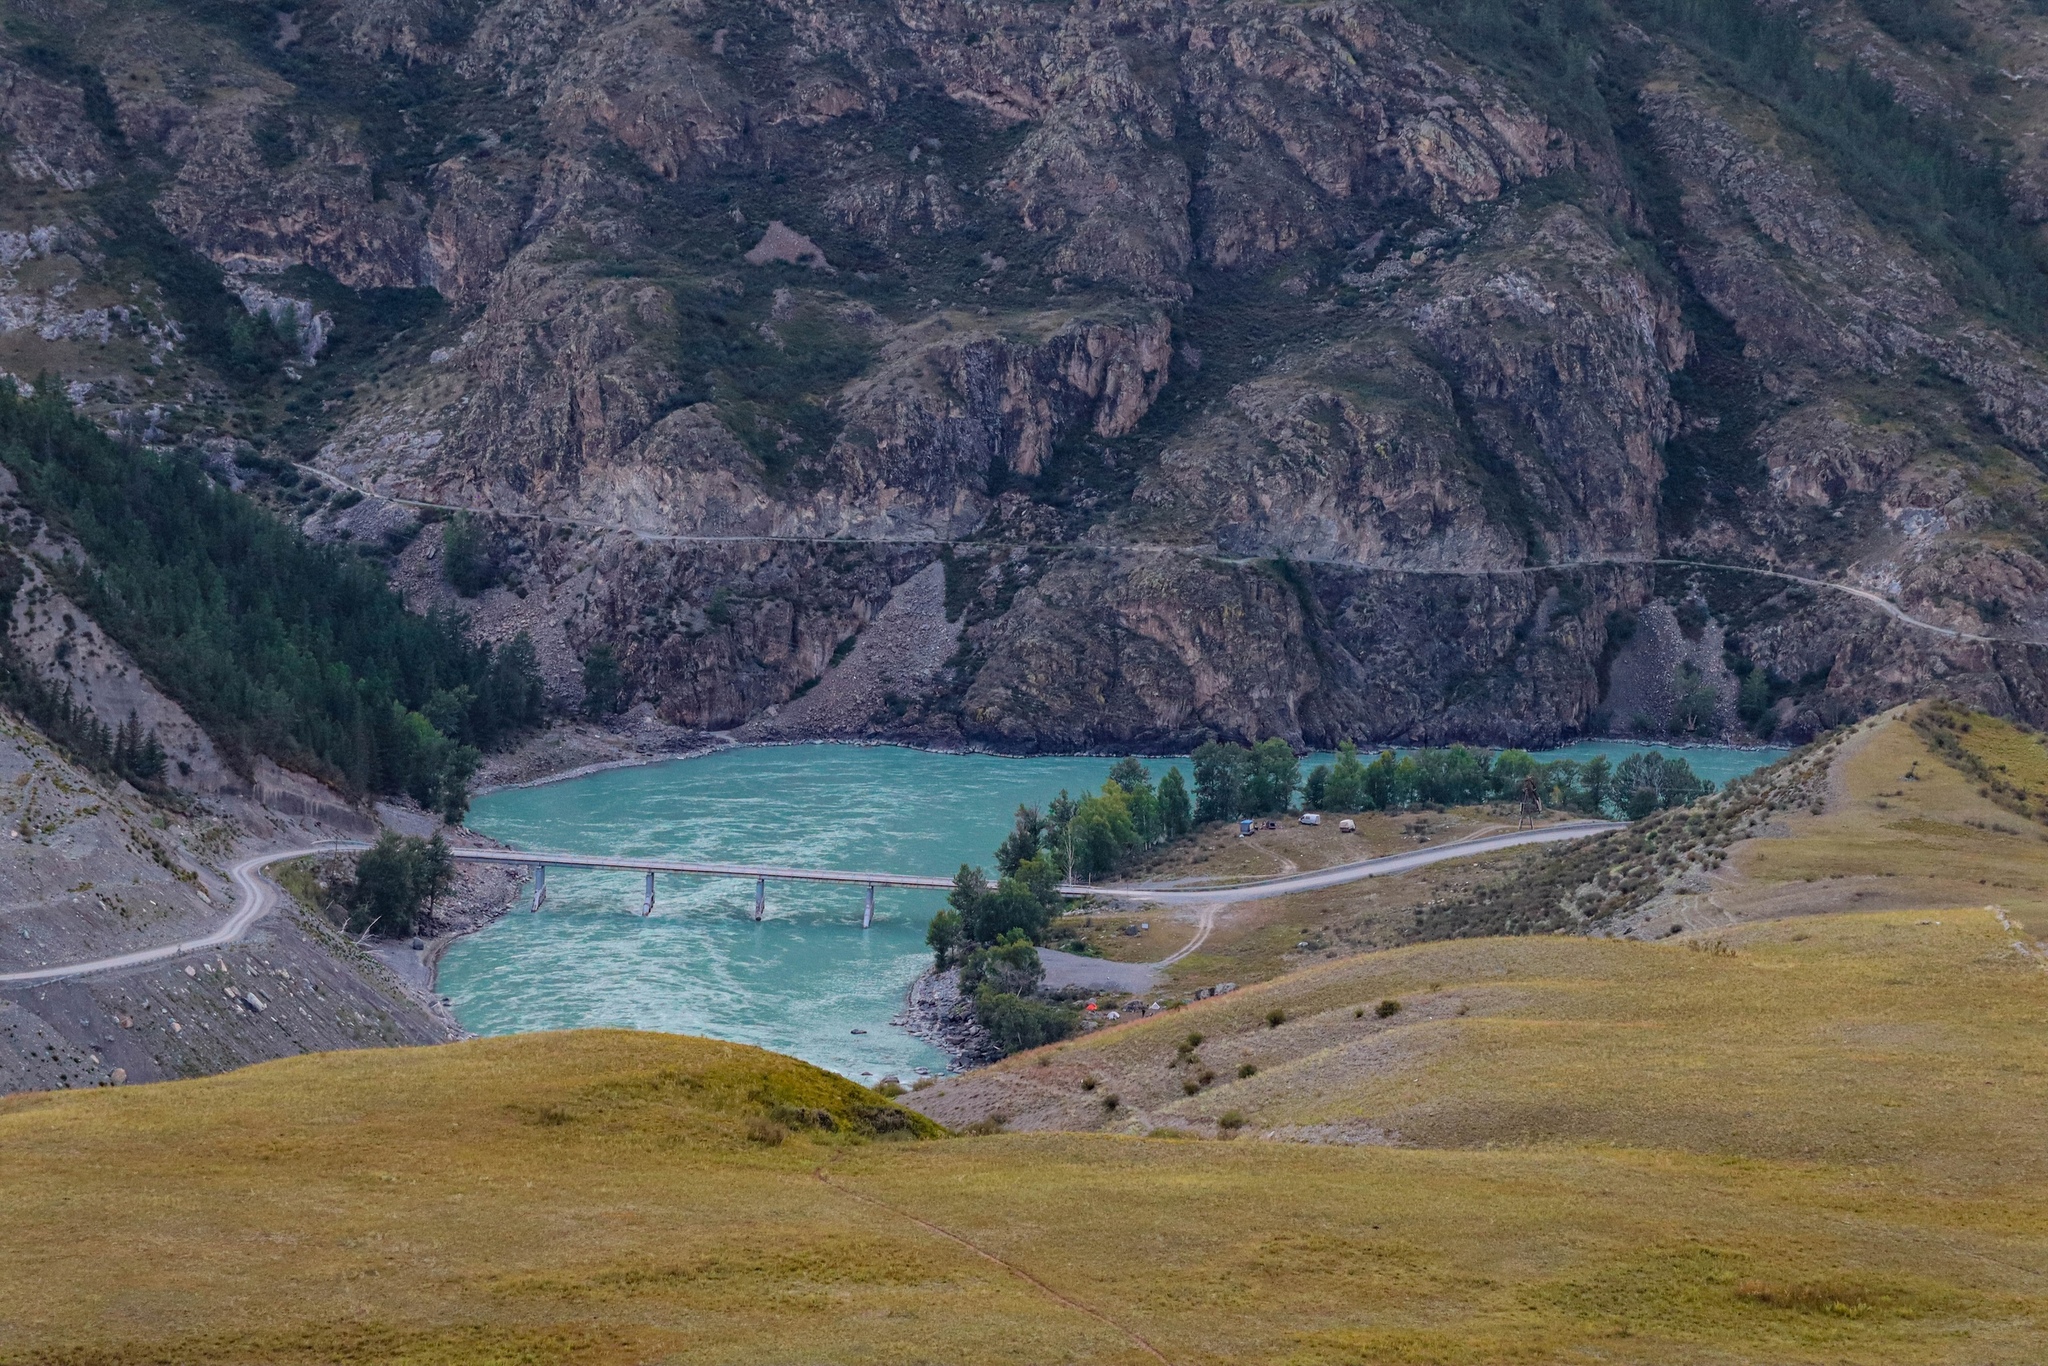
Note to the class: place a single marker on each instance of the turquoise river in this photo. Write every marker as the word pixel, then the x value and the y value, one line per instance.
pixel 807 977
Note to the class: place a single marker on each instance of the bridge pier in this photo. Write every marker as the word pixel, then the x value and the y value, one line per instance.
pixel 540 885
pixel 760 897
pixel 867 918
pixel 648 909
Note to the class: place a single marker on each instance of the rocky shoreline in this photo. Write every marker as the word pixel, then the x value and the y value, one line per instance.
pixel 935 1011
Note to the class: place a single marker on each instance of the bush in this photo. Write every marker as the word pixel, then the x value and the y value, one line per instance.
pixel 1111 1101
pixel 1230 1120
pixel 1387 1008
pixel 604 683
pixel 943 937
pixel 1247 1070
pixel 766 1132
pixel 1011 965
pixel 469 556
pixel 1275 1018
pixel 1015 1024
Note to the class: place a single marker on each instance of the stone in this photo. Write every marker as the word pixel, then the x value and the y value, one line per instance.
pixel 783 243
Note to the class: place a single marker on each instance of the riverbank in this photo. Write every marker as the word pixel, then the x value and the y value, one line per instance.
pixel 577 749
pixel 935 1011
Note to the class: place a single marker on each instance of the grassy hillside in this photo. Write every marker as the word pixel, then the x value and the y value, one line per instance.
pixel 1810 1135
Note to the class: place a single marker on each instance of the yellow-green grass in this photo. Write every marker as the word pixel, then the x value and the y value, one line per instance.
pixel 1818 1149
pixel 1887 839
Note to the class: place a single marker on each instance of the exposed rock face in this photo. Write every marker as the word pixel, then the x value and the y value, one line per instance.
pixel 50 139
pixel 1262 368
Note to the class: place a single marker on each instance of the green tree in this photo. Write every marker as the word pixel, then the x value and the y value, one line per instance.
pixel 943 937
pixel 1102 832
pixel 1694 709
pixel 1315 790
pixel 1175 816
pixel 604 682
pixel 1347 786
pixel 1595 780
pixel 970 889
pixel 1130 775
pixel 1059 820
pixel 1450 777
pixel 1509 767
pixel 1754 701
pixel 1012 908
pixel 1385 785
pixel 1272 774
pixel 1220 770
pixel 395 883
pixel 1011 964
pixel 1023 840
pixel 470 559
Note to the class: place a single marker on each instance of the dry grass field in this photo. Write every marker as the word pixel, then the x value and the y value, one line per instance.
pixel 1810 1134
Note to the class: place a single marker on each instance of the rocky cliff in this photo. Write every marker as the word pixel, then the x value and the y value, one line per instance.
pixel 1250 368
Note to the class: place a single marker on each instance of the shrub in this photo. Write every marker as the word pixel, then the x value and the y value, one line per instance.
pixel 1247 1070
pixel 1190 1087
pixel 1206 1077
pixel 1110 1102
pixel 1089 1083
pixel 1015 1024
pixel 470 558
pixel 1386 1008
pixel 1231 1120
pixel 1194 1041
pixel 766 1132
pixel 604 683
pixel 1275 1018
pixel 888 1088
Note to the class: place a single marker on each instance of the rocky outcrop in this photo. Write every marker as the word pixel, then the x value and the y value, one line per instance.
pixel 49 137
pixel 1259 367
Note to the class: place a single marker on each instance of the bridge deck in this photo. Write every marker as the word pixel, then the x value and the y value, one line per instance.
pixel 662 865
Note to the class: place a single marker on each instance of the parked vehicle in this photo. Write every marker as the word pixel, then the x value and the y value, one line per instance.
pixel 1311 818
pixel 1245 827
pixel 1347 826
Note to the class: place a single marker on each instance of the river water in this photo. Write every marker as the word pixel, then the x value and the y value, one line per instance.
pixel 807 977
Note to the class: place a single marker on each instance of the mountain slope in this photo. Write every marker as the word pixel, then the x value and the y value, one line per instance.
pixel 1264 369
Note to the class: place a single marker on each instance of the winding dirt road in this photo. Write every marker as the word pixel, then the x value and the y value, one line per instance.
pixel 257 895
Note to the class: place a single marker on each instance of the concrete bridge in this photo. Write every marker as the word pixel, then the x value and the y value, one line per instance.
pixel 763 874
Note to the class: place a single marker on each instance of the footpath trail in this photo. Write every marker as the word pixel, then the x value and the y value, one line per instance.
pixel 1866 595
pixel 258 895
